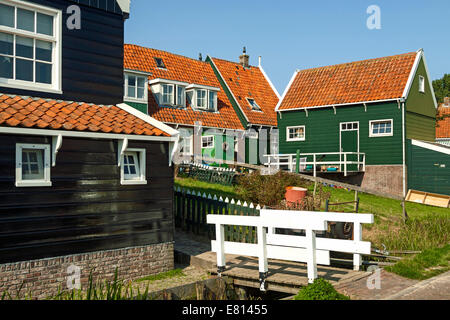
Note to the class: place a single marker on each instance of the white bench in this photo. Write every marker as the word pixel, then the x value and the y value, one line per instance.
pixel 306 248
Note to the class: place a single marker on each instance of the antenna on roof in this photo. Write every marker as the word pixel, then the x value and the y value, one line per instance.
pixel 200 56
pixel 244 51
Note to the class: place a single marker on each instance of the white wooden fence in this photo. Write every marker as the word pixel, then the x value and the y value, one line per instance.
pixel 306 248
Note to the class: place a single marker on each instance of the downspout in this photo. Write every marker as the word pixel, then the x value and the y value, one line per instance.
pixel 404 148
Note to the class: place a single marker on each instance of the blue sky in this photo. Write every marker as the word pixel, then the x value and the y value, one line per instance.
pixel 292 35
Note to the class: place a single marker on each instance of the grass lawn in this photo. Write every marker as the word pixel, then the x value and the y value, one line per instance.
pixel 428 227
pixel 164 275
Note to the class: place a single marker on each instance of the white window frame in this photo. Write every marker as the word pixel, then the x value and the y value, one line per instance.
pixel 56 40
pixel 20 182
pixel 374 135
pixel 212 142
pixel 136 99
pixel 295 139
pixel 252 106
pixel 421 84
pixel 172 96
pixel 214 106
pixel 181 103
pixel 349 129
pixel 205 107
pixel 140 178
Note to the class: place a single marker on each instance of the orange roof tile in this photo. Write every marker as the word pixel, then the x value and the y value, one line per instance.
pixel 180 68
pixel 26 112
pixel 250 83
pixel 443 125
pixel 368 80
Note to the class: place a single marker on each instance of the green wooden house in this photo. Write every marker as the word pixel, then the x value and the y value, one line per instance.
pixel 352 122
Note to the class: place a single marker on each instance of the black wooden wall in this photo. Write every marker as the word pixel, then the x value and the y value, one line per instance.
pixel 86 209
pixel 92 57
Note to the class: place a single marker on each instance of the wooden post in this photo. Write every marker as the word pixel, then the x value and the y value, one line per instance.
pixel 345 164
pixel 315 188
pixel 262 254
pixel 311 255
pixel 357 236
pixel 356 201
pixel 220 238
pixel 314 165
pixel 297 161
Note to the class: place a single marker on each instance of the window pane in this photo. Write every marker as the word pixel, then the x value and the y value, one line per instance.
pixel 125 170
pixel 132 169
pixel 130 160
pixel 24 70
pixel 43 72
pixel 6 43
pixel 44 50
pixel 6 16
pixel 25 20
pixel 140 93
pixel 24 47
pixel 45 24
pixel 132 81
pixel 6 67
pixel 141 82
pixel 32 164
pixel 131 92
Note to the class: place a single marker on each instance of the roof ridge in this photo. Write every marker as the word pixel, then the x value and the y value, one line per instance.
pixel 168 52
pixel 232 62
pixel 357 61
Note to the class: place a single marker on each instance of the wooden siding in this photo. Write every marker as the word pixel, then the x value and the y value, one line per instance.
pixel 428 170
pixel 142 107
pixel 86 209
pixel 92 57
pixel 420 110
pixel 322 131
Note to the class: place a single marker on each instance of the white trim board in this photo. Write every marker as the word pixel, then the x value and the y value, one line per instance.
pixel 286 91
pixel 270 82
pixel 82 134
pixel 430 146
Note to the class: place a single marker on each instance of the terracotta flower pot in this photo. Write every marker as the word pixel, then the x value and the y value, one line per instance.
pixel 295 195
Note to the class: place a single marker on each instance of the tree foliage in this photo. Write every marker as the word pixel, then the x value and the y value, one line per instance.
pixel 442 88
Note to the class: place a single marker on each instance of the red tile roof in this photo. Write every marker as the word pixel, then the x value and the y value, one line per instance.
pixel 250 83
pixel 38 113
pixel 362 81
pixel 443 126
pixel 180 68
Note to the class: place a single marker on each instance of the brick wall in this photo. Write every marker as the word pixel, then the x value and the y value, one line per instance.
pixel 385 179
pixel 42 278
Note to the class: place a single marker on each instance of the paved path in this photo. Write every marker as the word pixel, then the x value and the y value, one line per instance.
pixel 437 288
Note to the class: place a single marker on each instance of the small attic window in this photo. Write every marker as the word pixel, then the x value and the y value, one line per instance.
pixel 160 63
pixel 253 104
pixel 422 84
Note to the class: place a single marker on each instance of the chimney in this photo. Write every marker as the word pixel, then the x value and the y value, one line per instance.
pixel 200 56
pixel 447 102
pixel 244 59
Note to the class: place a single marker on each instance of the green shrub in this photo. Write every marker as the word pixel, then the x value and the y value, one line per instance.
pixel 320 290
pixel 268 190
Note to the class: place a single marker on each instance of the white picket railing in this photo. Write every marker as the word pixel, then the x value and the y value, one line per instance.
pixel 285 247
pixel 290 161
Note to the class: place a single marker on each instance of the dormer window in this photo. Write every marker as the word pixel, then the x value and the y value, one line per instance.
pixel 170 93
pixel 136 87
pixel 30 47
pixel 202 97
pixel 160 63
pixel 253 104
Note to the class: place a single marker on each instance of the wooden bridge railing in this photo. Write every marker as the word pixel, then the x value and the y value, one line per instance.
pixel 286 247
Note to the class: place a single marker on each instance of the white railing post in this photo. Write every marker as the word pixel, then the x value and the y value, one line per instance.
pixel 314 165
pixel 311 255
pixel 220 238
pixel 262 254
pixel 364 162
pixel 345 164
pixel 357 237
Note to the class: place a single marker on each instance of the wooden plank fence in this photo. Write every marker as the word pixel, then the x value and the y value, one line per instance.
pixel 191 208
